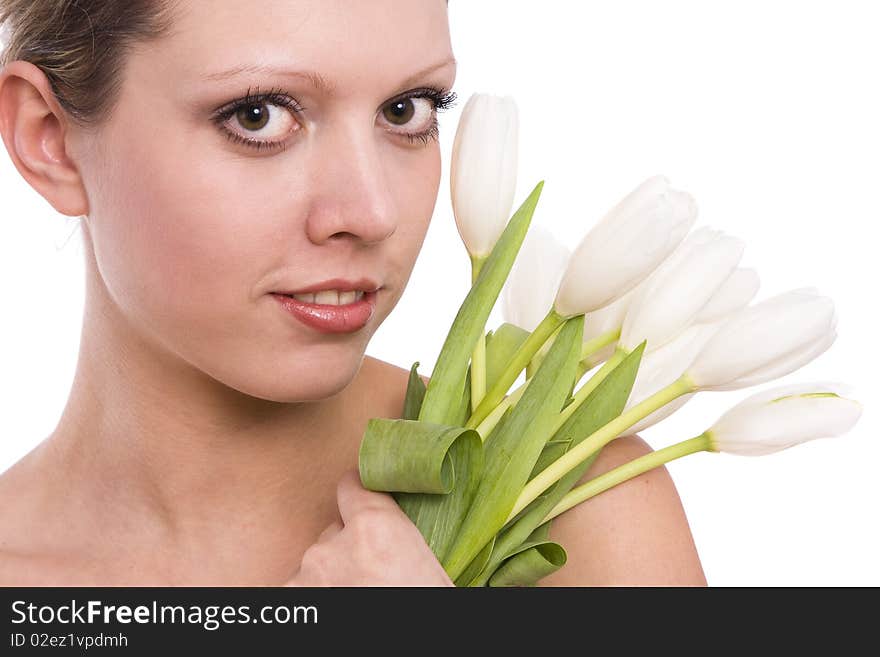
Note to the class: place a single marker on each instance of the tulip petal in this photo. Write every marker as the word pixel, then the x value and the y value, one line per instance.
pixel 627 245
pixel 528 293
pixel 754 428
pixel 734 294
pixel 483 170
pixel 753 341
pixel 680 287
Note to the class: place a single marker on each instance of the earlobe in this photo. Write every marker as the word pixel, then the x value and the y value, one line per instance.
pixel 33 126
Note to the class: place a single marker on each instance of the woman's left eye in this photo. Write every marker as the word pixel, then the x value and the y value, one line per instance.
pixel 412 111
pixel 402 110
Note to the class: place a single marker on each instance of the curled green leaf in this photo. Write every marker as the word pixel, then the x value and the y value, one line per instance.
pixel 411 456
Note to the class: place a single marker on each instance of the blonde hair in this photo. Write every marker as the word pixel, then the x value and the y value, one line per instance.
pixel 81 46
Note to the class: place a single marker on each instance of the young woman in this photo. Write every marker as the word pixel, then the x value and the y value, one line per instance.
pixel 219 156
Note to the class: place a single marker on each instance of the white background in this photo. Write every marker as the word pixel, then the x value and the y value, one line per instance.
pixel 767 112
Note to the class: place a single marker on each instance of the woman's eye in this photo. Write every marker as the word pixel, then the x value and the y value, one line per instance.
pixel 256 122
pixel 416 112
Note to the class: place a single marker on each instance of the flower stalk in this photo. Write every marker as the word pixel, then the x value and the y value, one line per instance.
pixel 520 359
pixel 556 470
pixel 629 471
pixel 478 358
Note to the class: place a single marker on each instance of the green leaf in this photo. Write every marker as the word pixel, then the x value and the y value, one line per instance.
pixel 536 558
pixel 439 517
pixel 601 406
pixel 511 453
pixel 461 415
pixel 412 456
pixel 415 393
pixel 552 451
pixel 445 386
pixel 501 345
pixel 476 566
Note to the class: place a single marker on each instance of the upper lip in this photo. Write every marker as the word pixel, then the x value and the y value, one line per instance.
pixel 365 284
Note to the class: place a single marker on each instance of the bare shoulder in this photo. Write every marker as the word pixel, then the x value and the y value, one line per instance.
pixel 635 534
pixel 21 562
pixel 390 382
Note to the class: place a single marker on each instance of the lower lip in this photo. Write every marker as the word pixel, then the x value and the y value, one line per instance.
pixel 331 319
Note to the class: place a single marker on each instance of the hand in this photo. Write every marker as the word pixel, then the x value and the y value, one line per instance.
pixel 376 544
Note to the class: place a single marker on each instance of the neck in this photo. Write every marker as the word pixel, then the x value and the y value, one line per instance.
pixel 158 453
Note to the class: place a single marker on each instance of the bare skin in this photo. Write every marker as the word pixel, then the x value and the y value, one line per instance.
pixel 209 439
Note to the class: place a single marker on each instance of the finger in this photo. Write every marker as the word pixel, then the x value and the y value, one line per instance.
pixel 352 497
pixel 330 531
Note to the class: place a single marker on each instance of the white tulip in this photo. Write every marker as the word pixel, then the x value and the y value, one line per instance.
pixel 608 318
pixel 661 367
pixel 672 296
pixel 534 278
pixel 627 244
pixel 734 294
pixel 781 417
pixel 766 341
pixel 483 170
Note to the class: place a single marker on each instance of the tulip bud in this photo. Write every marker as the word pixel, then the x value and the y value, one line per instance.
pixel 734 294
pixel 662 366
pixel 765 341
pixel 778 418
pixel 630 241
pixel 483 170
pixel 528 292
pixel 672 296
pixel 608 318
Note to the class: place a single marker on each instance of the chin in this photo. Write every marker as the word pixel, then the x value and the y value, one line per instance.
pixel 303 381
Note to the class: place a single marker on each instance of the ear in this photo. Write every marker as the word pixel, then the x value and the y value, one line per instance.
pixel 34 128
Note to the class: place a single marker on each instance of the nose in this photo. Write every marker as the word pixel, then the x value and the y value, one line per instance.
pixel 353 196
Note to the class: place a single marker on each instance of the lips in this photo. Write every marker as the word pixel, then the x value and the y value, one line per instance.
pixel 363 284
pixel 331 319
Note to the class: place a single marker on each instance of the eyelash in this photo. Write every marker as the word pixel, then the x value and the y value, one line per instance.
pixel 442 99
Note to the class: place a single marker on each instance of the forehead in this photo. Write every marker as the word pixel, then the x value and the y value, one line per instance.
pixel 338 39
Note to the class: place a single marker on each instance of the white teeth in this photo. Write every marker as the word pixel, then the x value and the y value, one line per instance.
pixel 331 297
pixel 327 297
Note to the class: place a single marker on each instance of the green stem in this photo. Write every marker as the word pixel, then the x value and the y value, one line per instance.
pixel 580 452
pixel 520 359
pixel 478 358
pixel 532 367
pixel 591 346
pixel 628 471
pixel 584 391
pixel 588 348
pixel 582 368
pixel 485 427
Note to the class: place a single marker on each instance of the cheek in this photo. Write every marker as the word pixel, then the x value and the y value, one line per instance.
pixel 177 246
pixel 417 200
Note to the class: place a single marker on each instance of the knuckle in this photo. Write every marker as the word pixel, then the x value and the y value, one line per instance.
pixel 317 560
pixel 372 524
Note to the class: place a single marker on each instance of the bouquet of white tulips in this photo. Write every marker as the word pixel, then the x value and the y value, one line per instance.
pixel 656 311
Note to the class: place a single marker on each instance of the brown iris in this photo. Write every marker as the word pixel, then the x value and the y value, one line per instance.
pixel 399 112
pixel 254 116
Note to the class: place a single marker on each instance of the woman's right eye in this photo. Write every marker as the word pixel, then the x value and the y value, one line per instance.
pixel 260 121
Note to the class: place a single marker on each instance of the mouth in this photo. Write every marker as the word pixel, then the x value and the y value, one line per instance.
pixel 329 297
pixel 330 311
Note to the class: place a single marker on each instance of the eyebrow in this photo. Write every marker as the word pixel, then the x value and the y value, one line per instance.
pixel 318 81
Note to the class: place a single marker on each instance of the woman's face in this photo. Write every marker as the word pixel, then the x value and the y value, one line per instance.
pixel 192 232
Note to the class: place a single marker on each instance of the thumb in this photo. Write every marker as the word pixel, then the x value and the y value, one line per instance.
pixel 352 498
